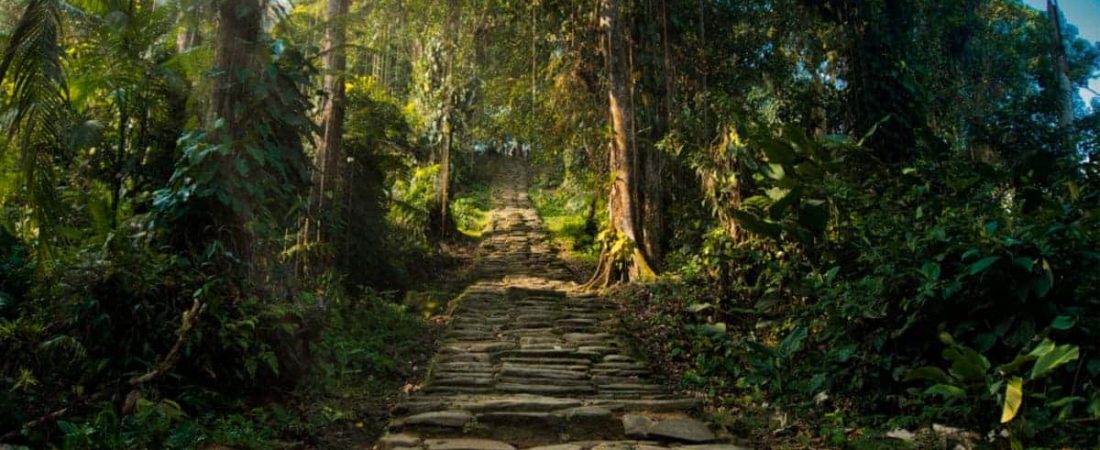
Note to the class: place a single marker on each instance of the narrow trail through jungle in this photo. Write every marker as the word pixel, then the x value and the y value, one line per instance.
pixel 529 361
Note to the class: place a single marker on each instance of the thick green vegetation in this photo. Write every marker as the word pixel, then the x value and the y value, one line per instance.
pixel 219 218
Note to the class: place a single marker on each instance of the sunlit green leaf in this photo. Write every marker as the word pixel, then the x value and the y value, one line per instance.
pixel 1053 359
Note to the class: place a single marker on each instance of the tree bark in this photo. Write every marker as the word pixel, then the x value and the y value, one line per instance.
pixel 445 177
pixel 1061 67
pixel 327 158
pixel 237 49
pixel 450 110
pixel 622 258
pixel 187 39
pixel 654 163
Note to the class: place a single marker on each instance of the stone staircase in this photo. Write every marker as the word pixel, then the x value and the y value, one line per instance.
pixel 529 362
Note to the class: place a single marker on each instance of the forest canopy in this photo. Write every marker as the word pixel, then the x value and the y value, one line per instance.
pixel 218 218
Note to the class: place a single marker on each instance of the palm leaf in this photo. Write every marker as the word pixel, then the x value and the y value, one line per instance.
pixel 38 107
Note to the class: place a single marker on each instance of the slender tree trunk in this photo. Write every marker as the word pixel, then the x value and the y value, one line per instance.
pixel 1061 67
pixel 534 64
pixel 187 39
pixel 444 178
pixel 631 262
pixel 327 158
pixel 703 68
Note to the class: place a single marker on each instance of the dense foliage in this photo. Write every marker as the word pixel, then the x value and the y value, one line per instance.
pixel 860 215
pixel 864 231
pixel 161 269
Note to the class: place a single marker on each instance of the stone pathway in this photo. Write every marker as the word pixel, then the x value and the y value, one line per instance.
pixel 527 361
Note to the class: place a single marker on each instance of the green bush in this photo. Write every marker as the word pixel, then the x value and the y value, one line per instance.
pixel 854 273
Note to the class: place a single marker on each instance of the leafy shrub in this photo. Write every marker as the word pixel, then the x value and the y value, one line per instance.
pixel 471 210
pixel 851 271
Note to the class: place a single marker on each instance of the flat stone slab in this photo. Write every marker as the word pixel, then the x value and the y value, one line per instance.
pixel 399 440
pixel 585 412
pixel 684 430
pixel 636 425
pixel 467 444
pixel 533 372
pixel 533 403
pixel 558 447
pixel 544 388
pixel 448 419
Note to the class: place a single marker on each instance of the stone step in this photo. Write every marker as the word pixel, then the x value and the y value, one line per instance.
pixel 524 429
pixel 527 362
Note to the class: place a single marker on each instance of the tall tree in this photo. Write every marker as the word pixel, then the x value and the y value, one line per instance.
pixel 622 258
pixel 327 158
pixel 1061 66
pixel 453 21
pixel 237 50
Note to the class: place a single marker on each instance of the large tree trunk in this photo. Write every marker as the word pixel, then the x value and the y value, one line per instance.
pixel 237 49
pixel 622 258
pixel 654 163
pixel 327 158
pixel 1061 67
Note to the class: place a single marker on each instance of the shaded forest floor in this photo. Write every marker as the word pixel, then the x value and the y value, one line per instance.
pixel 356 413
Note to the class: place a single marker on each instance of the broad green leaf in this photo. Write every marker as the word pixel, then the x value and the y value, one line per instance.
pixel 1061 354
pixel 931 270
pixel 778 152
pixel 713 329
pixel 777 193
pixel 1063 323
pixel 67 427
pixel 756 225
pixel 1042 349
pixel 929 373
pixel 699 307
pixel 757 203
pixel 982 264
pixel 966 363
pixel 945 391
pixel 1016 364
pixel 1043 285
pixel 775 171
pixel 793 342
pixel 1065 401
pixel 783 199
pixel 1014 397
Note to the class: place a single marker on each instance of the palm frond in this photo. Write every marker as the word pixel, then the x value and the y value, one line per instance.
pixel 38 108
